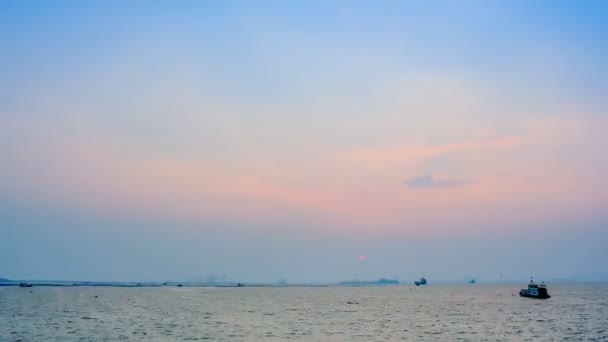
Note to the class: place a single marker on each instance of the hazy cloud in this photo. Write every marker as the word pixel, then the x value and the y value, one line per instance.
pixel 435 182
pixel 379 155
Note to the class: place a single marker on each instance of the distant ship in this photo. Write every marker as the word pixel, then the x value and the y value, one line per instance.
pixel 381 281
pixel 535 291
pixel 472 281
pixel 422 281
pixel 25 285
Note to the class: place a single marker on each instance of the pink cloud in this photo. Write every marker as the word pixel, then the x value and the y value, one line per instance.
pixel 102 178
pixel 388 155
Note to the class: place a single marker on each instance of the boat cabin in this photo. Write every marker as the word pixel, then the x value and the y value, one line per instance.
pixel 535 291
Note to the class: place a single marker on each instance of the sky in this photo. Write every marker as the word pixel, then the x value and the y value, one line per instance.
pixel 258 141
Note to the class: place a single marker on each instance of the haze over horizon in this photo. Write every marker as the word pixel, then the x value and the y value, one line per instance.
pixel 175 140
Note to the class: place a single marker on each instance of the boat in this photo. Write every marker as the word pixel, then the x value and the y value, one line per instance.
pixel 25 285
pixel 534 290
pixel 422 281
pixel 472 281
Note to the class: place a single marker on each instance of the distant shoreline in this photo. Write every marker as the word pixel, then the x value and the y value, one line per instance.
pixel 149 285
pixel 239 285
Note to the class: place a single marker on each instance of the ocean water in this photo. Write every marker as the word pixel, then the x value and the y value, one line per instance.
pixel 435 312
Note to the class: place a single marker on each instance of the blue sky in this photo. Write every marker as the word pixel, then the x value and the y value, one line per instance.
pixel 269 140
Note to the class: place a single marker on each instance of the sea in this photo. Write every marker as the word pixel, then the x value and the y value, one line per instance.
pixel 336 313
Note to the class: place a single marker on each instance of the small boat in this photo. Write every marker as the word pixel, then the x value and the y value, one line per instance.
pixel 25 285
pixel 422 281
pixel 472 281
pixel 534 290
pixel 240 285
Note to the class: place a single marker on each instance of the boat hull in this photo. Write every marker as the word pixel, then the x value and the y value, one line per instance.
pixel 523 293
